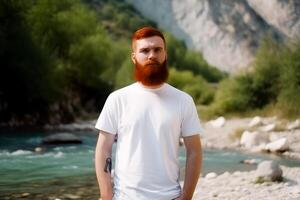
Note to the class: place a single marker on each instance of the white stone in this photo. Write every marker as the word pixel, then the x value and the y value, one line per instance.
pixel 278 145
pixel 273 137
pixel 211 175
pixel 268 128
pixel 269 171
pixel 293 125
pixel 255 122
pixel 38 149
pixel 236 173
pixel 219 122
pixel 252 139
pixel 250 161
pixel 287 184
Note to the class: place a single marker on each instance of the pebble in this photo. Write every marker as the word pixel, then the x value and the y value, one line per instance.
pixel 25 194
pixel 211 175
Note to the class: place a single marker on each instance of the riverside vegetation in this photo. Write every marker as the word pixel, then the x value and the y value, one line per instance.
pixel 61 58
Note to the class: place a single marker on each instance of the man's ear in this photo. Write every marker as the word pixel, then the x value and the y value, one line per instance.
pixel 133 58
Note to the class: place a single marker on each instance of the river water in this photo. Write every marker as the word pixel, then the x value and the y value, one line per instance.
pixel 22 169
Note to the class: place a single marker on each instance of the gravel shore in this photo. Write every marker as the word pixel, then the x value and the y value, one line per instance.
pixel 242 185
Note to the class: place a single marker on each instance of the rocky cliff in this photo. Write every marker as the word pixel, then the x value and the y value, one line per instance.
pixel 227 32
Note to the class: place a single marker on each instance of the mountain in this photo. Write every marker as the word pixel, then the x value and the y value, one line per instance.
pixel 227 32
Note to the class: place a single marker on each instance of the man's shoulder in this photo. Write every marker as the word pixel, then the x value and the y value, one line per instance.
pixel 122 91
pixel 178 92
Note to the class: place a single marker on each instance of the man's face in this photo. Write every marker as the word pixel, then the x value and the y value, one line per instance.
pixel 149 56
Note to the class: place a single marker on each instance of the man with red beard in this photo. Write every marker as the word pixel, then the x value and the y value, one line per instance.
pixel 149 117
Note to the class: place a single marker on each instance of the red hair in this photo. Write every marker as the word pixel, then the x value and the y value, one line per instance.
pixel 146 32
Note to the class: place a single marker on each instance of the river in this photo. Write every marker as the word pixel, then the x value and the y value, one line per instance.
pixel 23 169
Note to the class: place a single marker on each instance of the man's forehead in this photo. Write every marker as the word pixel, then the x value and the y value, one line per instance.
pixel 154 41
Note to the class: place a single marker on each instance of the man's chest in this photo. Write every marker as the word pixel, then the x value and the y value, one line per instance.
pixel 152 111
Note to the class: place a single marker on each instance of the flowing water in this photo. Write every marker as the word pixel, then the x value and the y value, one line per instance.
pixel 23 169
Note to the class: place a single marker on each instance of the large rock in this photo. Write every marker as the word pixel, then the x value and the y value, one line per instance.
pixel 227 32
pixel 268 128
pixel 255 122
pixel 293 125
pixel 62 138
pixel 252 139
pixel 268 171
pixel 218 123
pixel 279 145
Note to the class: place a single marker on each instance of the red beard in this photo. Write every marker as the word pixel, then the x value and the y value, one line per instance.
pixel 152 73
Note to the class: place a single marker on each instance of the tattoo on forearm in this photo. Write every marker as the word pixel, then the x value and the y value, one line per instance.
pixel 107 167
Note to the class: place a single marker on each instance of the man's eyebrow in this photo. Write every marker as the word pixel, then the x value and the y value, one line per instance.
pixel 147 48
pixel 144 48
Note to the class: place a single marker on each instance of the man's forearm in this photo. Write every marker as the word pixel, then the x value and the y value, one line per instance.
pixel 192 173
pixel 103 174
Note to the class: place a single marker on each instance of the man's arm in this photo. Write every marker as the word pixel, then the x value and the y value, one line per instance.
pixel 193 166
pixel 103 152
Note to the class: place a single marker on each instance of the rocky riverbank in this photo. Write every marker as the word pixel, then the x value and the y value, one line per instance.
pixel 252 135
pixel 243 186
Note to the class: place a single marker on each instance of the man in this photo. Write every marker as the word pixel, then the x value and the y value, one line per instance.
pixel 149 117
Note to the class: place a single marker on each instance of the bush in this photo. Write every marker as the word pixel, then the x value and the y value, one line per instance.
pixel 234 95
pixel 196 86
pixel 289 96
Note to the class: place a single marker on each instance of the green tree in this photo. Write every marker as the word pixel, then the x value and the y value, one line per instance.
pixel 27 80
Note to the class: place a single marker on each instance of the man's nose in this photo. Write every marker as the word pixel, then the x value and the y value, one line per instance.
pixel 152 55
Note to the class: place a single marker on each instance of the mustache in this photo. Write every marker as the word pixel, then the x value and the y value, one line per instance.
pixel 152 63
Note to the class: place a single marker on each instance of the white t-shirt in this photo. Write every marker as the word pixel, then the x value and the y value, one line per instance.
pixel 149 123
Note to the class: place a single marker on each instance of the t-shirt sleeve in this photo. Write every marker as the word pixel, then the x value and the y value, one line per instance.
pixel 107 120
pixel 190 121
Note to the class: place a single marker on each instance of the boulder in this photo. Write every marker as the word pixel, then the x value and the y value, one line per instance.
pixel 62 138
pixel 252 139
pixel 293 125
pixel 279 145
pixel 268 128
pixel 268 171
pixel 274 136
pixel 219 122
pixel 256 121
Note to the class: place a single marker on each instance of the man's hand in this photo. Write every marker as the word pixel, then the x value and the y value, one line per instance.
pixel 193 166
pixel 103 164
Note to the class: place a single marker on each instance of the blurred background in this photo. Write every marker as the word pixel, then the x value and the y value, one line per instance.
pixel 61 58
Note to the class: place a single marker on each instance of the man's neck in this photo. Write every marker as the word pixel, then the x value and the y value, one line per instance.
pixel 152 86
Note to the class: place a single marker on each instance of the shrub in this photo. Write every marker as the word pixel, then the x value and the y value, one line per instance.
pixel 196 86
pixel 289 96
pixel 234 95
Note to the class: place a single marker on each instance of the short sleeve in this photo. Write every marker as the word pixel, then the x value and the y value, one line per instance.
pixel 107 120
pixel 190 124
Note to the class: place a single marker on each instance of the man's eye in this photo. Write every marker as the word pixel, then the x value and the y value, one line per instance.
pixel 145 50
pixel 157 50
